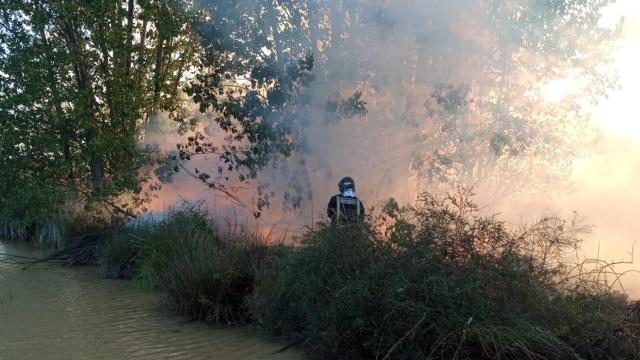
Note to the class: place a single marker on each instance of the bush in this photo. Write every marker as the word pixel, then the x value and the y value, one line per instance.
pixel 435 281
pixel 206 278
pixel 206 274
pixel 439 282
pixel 162 237
pixel 118 257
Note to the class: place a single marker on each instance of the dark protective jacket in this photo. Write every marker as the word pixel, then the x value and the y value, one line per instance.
pixel 345 210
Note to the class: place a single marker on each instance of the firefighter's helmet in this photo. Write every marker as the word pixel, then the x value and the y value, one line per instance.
pixel 346 183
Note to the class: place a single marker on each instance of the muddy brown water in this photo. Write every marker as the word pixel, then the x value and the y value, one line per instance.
pixel 54 312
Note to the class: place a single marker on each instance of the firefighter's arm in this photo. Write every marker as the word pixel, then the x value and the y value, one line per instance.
pixel 331 208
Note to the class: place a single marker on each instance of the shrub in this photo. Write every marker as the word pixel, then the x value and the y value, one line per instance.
pixel 118 256
pixel 439 281
pixel 160 238
pixel 434 281
pixel 207 275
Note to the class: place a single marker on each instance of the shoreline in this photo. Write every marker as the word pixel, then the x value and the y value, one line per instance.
pixel 433 279
pixel 100 308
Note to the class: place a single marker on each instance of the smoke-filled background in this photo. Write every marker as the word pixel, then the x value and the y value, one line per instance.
pixel 510 97
pixel 604 185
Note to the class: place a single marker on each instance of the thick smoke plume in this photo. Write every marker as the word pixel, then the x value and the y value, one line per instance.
pixel 490 93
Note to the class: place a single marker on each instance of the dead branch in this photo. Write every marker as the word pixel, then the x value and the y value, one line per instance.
pixel 215 186
pixel 74 253
pixel 122 211
pixel 404 337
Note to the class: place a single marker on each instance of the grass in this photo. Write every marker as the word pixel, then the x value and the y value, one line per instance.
pixel 435 281
pixel 206 274
pixel 12 230
pixel 52 231
pixel 119 256
pixel 48 233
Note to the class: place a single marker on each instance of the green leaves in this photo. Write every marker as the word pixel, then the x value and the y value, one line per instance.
pixel 257 90
pixel 81 80
pixel 348 108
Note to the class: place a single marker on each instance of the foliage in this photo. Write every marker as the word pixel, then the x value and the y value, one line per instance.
pixel 256 89
pixel 484 119
pixel 347 108
pixel 79 82
pixel 503 128
pixel 117 257
pixel 439 282
pixel 256 76
pixel 433 281
pixel 207 275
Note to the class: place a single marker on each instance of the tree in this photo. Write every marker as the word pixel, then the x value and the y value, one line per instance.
pixel 80 80
pixel 500 127
pixel 462 85
pixel 255 77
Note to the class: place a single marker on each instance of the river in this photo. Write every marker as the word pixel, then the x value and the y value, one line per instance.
pixel 53 312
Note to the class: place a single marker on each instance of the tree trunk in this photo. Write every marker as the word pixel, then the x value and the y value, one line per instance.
pixel 129 39
pixel 57 113
pixel 157 76
pixel 143 40
pixel 84 88
pixel 183 59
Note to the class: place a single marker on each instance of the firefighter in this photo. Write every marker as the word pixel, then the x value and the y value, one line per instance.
pixel 345 208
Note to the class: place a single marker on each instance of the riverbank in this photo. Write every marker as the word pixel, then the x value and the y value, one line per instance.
pixel 434 281
pixel 59 313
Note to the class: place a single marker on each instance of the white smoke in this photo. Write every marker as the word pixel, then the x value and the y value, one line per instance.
pixel 401 54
